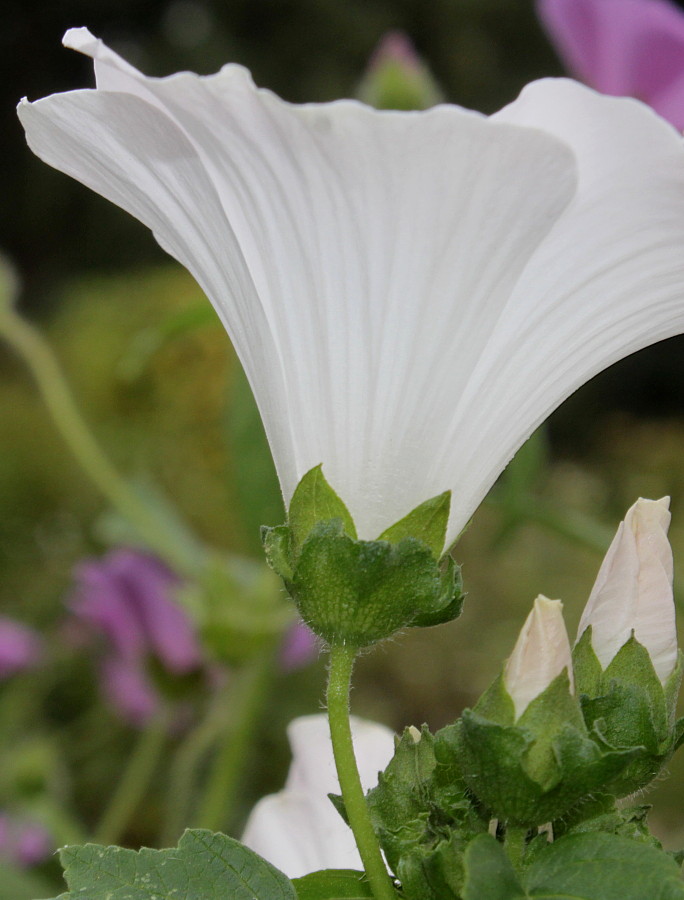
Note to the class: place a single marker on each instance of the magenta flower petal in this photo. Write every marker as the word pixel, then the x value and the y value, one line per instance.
pixel 128 596
pixel 129 690
pixel 20 647
pixel 623 47
pixel 23 843
pixel 299 648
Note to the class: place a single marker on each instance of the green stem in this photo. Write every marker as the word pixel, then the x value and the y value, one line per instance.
pixel 182 777
pixel 342 659
pixel 514 844
pixel 38 356
pixel 246 702
pixel 134 781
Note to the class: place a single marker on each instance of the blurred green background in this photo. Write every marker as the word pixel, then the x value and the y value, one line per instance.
pixel 156 378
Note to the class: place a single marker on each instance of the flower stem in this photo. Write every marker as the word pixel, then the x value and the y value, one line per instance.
pixel 339 683
pixel 250 691
pixel 134 781
pixel 38 356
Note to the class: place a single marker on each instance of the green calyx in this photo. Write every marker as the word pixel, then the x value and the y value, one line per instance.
pixel 358 592
pixel 630 708
pixel 534 769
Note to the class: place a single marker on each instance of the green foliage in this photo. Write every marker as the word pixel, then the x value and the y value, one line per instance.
pixel 427 523
pixel 204 866
pixel 333 884
pixel 630 708
pixel 360 592
pixel 315 501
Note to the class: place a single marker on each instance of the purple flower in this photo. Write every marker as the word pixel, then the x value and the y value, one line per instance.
pixel 20 648
pixel 23 843
pixel 127 597
pixel 298 649
pixel 631 48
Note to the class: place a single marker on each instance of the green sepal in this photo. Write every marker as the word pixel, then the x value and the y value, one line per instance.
pixel 537 769
pixel 427 523
pixel 631 709
pixel 424 818
pixel 600 814
pixel 315 501
pixel 276 543
pixel 359 592
pixel 448 603
pixel 586 667
pixel 333 884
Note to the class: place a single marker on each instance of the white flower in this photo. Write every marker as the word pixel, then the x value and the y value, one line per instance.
pixel 410 294
pixel 540 654
pixel 633 590
pixel 298 830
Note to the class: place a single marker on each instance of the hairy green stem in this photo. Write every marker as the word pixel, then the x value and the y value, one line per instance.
pixel 135 780
pixel 342 659
pixel 38 356
pixel 249 692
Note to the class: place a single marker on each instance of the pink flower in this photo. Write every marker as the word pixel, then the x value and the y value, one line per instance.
pixel 631 48
pixel 127 598
pixel 20 648
pixel 23 843
pixel 298 648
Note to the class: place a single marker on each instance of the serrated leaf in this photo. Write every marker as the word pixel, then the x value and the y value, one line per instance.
pixel 489 874
pixel 603 867
pixel 204 866
pixel 427 523
pixel 315 501
pixel 333 884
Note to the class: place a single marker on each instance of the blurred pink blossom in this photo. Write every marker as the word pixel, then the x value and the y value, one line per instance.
pixel 298 649
pixel 127 598
pixel 631 48
pixel 20 647
pixel 23 843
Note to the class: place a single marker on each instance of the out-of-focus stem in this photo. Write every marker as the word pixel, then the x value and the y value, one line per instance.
pixel 135 780
pixel 250 690
pixel 37 354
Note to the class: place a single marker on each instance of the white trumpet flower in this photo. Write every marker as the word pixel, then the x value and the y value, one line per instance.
pixel 298 830
pixel 410 294
pixel 540 654
pixel 633 590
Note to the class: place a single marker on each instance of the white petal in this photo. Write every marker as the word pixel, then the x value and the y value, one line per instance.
pixel 299 835
pixel 540 654
pixel 298 829
pixel 607 281
pixel 381 246
pixel 633 590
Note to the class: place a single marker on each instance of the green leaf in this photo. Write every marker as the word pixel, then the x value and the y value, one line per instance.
pixel 205 866
pixel 426 523
pixel 333 884
pixel 489 874
pixel 315 501
pixel 602 867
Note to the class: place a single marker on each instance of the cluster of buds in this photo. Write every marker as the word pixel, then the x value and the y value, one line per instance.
pixel 559 725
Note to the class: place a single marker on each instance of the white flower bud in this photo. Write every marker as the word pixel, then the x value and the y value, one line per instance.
pixel 541 653
pixel 633 590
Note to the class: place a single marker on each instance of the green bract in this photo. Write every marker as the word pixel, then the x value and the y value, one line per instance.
pixel 630 708
pixel 354 591
pixel 533 770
